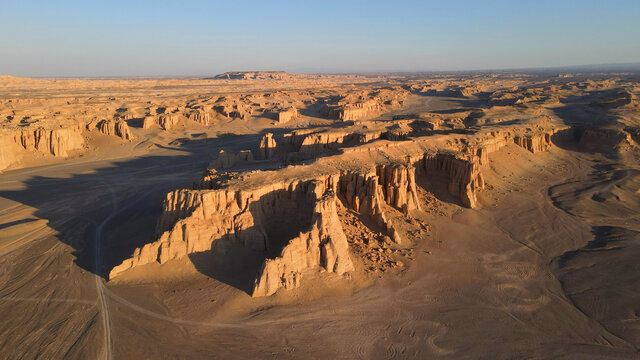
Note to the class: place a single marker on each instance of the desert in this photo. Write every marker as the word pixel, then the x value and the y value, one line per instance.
pixel 319 180
pixel 382 216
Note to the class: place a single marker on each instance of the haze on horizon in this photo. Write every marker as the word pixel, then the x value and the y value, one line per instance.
pixel 152 38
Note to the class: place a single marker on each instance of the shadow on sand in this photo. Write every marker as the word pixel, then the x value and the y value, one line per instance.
pixel 125 195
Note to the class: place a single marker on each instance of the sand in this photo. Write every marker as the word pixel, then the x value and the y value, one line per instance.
pixel 544 267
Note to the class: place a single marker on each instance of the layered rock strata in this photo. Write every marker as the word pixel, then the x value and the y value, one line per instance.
pixel 56 142
pixel 267 147
pixel 324 245
pixel 115 128
pixel 228 160
pixel 463 174
pixel 287 115
pixel 196 221
pixel 203 219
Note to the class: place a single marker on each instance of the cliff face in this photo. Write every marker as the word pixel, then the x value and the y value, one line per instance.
pixel 195 221
pixel 115 128
pixel 267 147
pixel 398 183
pixel 534 143
pixel 312 235
pixel 367 193
pixel 200 116
pixel 57 142
pixel 168 121
pixel 324 244
pixel 227 160
pixel 365 105
pixel 463 174
pixel 10 150
pixel 290 114
pixel 301 144
pixel 462 167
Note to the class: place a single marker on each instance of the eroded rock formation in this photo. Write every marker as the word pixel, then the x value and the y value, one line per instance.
pixel 267 147
pixel 365 105
pixel 58 142
pixel 115 128
pixel 226 160
pixel 324 244
pixel 199 220
pixel 287 115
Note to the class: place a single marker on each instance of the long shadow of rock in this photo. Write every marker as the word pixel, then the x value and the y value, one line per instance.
pixel 75 206
pixel 17 222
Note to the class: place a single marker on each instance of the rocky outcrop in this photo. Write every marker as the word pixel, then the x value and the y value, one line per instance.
pixel 228 160
pixel 324 245
pixel 267 147
pixel 200 116
pixel 57 142
pixel 294 223
pixel 301 144
pixel 367 193
pixel 149 122
pixel 462 164
pixel 534 143
pixel 365 105
pixel 10 150
pixel 463 174
pixel 169 121
pixel 255 75
pixel 398 183
pixel 115 128
pixel 290 114
pixel 232 108
pixel 199 220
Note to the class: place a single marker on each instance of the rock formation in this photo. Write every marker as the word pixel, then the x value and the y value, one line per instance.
pixel 324 245
pixel 226 160
pixel 290 114
pixel 115 128
pixel 197 220
pixel 57 142
pixel 200 116
pixel 168 121
pixel 267 147
pixel 463 174
pixel 365 105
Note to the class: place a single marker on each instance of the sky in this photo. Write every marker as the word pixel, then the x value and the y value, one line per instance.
pixel 183 38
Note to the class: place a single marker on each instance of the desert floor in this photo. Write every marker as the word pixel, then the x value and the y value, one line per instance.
pixel 543 269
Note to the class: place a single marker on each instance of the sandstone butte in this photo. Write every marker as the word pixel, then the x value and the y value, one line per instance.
pixel 202 218
pixel 367 153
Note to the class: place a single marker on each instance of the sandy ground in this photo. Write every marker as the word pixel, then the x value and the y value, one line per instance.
pixel 544 269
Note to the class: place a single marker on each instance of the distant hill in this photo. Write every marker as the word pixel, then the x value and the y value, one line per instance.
pixel 253 75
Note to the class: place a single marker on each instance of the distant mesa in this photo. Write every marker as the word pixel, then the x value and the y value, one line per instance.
pixel 253 75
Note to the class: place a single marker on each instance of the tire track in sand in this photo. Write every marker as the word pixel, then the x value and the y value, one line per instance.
pixel 100 287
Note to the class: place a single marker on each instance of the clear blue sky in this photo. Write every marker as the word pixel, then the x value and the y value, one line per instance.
pixel 122 38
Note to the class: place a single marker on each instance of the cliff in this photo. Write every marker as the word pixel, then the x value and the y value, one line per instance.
pixel 198 220
pixel 115 128
pixel 290 114
pixel 227 160
pixel 57 142
pixel 267 147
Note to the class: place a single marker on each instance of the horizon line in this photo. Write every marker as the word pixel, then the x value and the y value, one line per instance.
pixel 591 68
